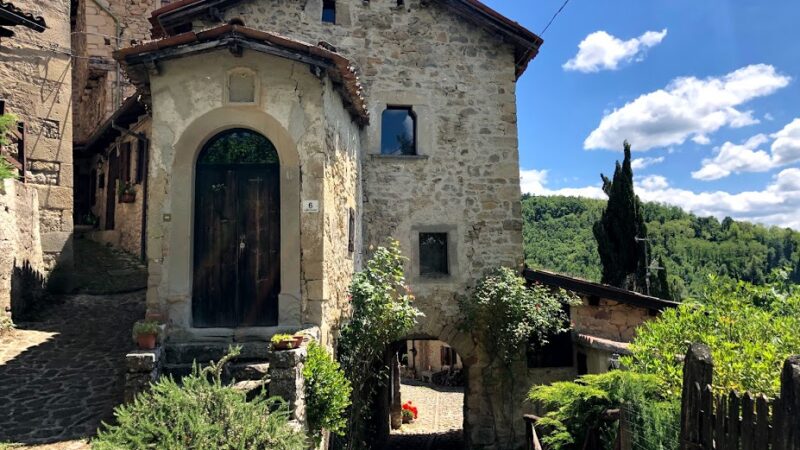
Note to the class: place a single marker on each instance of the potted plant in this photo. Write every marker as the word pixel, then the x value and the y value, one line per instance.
pixel 145 333
pixel 286 341
pixel 409 412
pixel 127 193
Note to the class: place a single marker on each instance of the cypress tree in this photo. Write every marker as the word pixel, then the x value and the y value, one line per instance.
pixel 623 257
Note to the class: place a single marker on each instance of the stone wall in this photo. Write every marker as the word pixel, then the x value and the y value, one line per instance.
pixel 127 231
pixel 102 26
pixel 317 145
pixel 460 81
pixel 35 82
pixel 609 319
pixel 21 261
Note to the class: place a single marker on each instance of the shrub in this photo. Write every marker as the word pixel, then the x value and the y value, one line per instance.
pixel 202 413
pixel 511 315
pixel 382 314
pixel 750 329
pixel 143 327
pixel 327 393
pixel 7 171
pixel 574 407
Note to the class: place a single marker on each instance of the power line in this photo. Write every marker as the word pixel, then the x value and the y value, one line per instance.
pixel 554 17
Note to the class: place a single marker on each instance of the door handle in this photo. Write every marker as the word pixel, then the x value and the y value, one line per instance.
pixel 242 244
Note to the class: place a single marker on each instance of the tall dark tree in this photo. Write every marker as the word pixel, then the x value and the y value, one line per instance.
pixel 621 233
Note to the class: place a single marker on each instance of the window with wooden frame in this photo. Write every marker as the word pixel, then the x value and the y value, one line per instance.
pixel 448 356
pixel 125 163
pixel 329 11
pixel 399 131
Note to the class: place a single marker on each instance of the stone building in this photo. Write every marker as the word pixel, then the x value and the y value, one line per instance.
pixel 35 86
pixel 603 325
pixel 361 120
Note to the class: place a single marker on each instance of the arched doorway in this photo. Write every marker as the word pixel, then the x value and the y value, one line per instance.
pixel 236 278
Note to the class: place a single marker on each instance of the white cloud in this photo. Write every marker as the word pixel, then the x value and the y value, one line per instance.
pixel 777 204
pixel 687 108
pixel 533 181
pixel 769 117
pixel 746 157
pixel 786 148
pixel 602 51
pixel 641 163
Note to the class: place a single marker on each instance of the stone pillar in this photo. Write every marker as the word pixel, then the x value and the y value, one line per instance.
pixel 143 368
pixel 286 380
pixel 396 406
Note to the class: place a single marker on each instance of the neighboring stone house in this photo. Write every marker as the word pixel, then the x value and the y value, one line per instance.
pixel 35 86
pixel 355 121
pixel 602 326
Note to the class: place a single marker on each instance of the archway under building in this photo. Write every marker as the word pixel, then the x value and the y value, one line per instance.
pixel 428 376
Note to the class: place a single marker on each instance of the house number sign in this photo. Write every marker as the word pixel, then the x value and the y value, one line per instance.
pixel 310 206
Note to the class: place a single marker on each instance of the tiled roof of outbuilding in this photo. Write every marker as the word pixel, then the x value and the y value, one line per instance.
pixel 237 37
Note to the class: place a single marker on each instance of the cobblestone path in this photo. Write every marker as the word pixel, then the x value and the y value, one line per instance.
pixel 99 270
pixel 61 374
pixel 440 421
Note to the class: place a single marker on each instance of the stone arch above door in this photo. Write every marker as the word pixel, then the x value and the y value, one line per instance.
pixel 178 265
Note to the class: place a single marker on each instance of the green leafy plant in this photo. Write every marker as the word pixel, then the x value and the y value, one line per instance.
pixel 575 407
pixel 750 329
pixel 6 324
pixel 510 315
pixel 327 393
pixel 382 313
pixel 200 413
pixel 7 123
pixel 280 337
pixel 143 327
pixel 7 171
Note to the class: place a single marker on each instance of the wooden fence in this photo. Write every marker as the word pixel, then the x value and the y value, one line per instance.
pixel 712 421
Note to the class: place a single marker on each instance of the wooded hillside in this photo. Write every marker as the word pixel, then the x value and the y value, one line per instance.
pixel 558 236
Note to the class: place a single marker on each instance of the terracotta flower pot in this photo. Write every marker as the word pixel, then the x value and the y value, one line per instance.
pixel 146 341
pixel 288 344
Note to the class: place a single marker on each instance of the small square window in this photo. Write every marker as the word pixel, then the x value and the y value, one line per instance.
pixel 433 261
pixel 329 11
pixel 398 131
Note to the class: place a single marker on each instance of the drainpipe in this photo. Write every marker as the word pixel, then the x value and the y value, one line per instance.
pixel 141 137
pixel 118 33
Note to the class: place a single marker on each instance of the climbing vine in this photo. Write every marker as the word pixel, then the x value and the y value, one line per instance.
pixel 382 313
pixel 510 315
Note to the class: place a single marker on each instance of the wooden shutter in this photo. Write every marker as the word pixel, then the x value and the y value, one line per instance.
pixel 141 159
pixel 125 163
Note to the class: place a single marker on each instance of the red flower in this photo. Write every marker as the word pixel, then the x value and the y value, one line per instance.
pixel 411 408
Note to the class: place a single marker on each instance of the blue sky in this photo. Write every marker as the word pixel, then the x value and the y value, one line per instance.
pixel 706 91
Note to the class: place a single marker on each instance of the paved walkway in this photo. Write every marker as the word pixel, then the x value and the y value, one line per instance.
pixel 440 421
pixel 62 374
pixel 100 269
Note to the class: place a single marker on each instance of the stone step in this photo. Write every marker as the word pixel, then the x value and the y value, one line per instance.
pixel 252 388
pixel 244 371
pixel 185 353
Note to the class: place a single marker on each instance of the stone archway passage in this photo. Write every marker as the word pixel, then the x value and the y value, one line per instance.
pixel 432 380
pixel 237 232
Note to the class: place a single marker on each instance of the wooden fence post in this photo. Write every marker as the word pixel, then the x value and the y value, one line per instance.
pixel 698 369
pixel 789 404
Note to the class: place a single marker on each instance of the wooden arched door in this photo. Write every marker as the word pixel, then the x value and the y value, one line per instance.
pixel 236 232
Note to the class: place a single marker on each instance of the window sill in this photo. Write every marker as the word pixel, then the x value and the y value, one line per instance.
pixel 398 157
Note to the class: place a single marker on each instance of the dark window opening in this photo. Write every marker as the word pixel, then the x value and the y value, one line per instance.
pixel 400 3
pixel 141 157
pixel 182 28
pixel 101 181
pixel 93 187
pixel 583 366
pixel 556 353
pixel 351 233
pixel 448 356
pixel 433 255
pixel 329 11
pixel 2 107
pixel 594 300
pixel 399 131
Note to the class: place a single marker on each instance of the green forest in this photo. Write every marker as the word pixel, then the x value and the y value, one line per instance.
pixel 558 237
